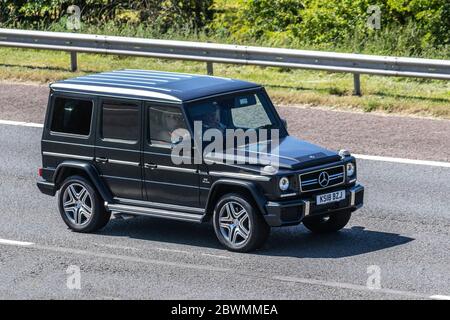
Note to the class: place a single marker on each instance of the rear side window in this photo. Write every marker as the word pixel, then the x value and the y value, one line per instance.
pixel 163 121
pixel 120 121
pixel 72 116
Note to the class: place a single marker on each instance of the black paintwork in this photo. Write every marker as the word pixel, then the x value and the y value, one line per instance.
pixel 184 87
pixel 141 175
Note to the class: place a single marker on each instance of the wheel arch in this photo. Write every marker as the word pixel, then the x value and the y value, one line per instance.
pixel 87 170
pixel 224 186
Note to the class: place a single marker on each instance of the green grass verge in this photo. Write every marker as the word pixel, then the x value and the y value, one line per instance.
pixel 286 87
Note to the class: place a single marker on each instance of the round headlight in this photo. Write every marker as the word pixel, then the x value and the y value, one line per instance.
pixel 350 169
pixel 284 184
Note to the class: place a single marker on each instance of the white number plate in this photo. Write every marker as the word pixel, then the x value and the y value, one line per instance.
pixel 330 197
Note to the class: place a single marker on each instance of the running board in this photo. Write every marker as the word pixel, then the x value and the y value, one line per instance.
pixel 154 212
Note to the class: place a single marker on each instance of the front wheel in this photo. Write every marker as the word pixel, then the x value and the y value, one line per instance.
pixel 81 206
pixel 238 224
pixel 326 224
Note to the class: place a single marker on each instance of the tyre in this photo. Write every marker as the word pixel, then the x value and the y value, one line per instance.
pixel 238 225
pixel 326 224
pixel 80 205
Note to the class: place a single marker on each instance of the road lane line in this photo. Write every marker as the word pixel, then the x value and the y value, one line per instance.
pixel 403 160
pixel 341 285
pixel 439 297
pixel 15 243
pixel 129 258
pixel 21 123
pixel 216 256
pixel 174 251
pixel 114 246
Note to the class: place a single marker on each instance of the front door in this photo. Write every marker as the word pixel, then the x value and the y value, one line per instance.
pixel 166 181
pixel 118 147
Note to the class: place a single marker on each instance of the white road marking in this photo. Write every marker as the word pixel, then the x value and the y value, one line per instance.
pixel 192 253
pixel 341 285
pixel 402 160
pixel 358 156
pixel 129 258
pixel 215 256
pixel 15 243
pixel 174 251
pixel 21 123
pixel 165 250
pixel 113 246
pixel 440 297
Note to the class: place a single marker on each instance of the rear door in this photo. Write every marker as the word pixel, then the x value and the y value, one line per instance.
pixel 118 147
pixel 166 181
pixel 68 133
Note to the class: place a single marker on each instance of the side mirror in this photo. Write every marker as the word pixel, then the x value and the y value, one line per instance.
pixel 176 140
pixel 284 123
pixel 180 136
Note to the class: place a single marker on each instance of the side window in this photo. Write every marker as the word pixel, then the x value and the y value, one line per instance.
pixel 72 116
pixel 120 121
pixel 163 121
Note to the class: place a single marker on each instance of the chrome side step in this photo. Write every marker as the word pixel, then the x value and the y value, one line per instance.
pixel 154 212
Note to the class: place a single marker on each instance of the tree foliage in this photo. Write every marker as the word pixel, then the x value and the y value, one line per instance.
pixel 427 22
pixel 163 14
pixel 407 26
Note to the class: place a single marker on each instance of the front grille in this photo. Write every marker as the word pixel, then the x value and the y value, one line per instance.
pixel 310 181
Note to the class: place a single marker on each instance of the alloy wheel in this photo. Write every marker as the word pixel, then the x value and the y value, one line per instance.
pixel 234 223
pixel 77 204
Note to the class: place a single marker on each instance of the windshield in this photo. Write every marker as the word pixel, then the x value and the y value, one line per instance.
pixel 236 111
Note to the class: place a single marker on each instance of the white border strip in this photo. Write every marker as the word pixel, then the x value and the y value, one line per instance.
pixel 15 243
pixel 402 160
pixel 440 297
pixel 21 123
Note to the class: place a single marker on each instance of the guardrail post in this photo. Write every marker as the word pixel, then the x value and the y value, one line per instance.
pixel 209 68
pixel 73 61
pixel 357 84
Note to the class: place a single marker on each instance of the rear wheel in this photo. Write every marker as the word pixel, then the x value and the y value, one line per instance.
pixel 326 224
pixel 238 224
pixel 81 206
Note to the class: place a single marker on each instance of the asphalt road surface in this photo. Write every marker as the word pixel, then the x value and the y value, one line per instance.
pixel 402 234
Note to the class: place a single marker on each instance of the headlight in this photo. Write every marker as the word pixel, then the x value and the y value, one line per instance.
pixel 284 184
pixel 350 169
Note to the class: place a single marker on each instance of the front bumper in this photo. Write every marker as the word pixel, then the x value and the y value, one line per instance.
pixel 292 212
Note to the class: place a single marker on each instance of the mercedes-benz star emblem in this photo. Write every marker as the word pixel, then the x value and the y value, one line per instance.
pixel 324 179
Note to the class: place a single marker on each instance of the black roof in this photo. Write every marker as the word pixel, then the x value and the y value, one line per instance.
pixel 153 85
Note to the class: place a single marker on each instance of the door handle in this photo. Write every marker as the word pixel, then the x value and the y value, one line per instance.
pixel 150 165
pixel 101 160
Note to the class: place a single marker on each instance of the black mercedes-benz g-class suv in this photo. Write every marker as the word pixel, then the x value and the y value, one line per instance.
pixel 109 145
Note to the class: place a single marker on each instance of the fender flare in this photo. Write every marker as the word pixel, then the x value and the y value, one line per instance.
pixel 258 197
pixel 90 171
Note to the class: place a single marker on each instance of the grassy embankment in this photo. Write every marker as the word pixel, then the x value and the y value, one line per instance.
pixel 293 87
